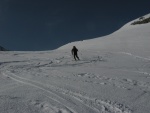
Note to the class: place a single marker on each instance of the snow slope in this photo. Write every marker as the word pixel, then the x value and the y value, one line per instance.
pixel 130 38
pixel 113 76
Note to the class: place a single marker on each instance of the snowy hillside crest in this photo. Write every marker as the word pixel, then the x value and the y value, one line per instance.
pixel 130 38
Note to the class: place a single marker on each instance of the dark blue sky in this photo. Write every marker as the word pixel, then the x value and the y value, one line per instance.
pixel 29 25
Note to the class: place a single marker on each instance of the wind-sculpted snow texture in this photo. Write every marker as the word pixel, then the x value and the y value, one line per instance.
pixel 105 80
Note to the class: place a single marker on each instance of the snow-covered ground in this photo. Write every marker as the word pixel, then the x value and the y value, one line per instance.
pixel 113 76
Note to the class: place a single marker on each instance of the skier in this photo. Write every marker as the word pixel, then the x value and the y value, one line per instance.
pixel 74 52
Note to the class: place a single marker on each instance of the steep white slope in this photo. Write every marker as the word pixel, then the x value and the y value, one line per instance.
pixel 130 38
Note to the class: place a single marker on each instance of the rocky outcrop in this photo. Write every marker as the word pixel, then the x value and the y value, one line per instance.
pixel 3 49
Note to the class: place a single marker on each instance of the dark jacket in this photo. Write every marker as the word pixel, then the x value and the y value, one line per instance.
pixel 74 50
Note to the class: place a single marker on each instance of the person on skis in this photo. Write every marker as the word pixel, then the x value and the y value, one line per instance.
pixel 74 52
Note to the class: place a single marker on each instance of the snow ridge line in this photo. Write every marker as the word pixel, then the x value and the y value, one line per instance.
pixel 46 89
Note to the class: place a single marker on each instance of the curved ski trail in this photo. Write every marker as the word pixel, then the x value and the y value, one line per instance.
pixel 65 100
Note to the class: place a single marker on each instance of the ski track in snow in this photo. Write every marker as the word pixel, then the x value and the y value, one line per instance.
pixel 46 89
pixel 90 104
pixel 135 56
pixel 70 101
pixel 37 85
pixel 62 96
